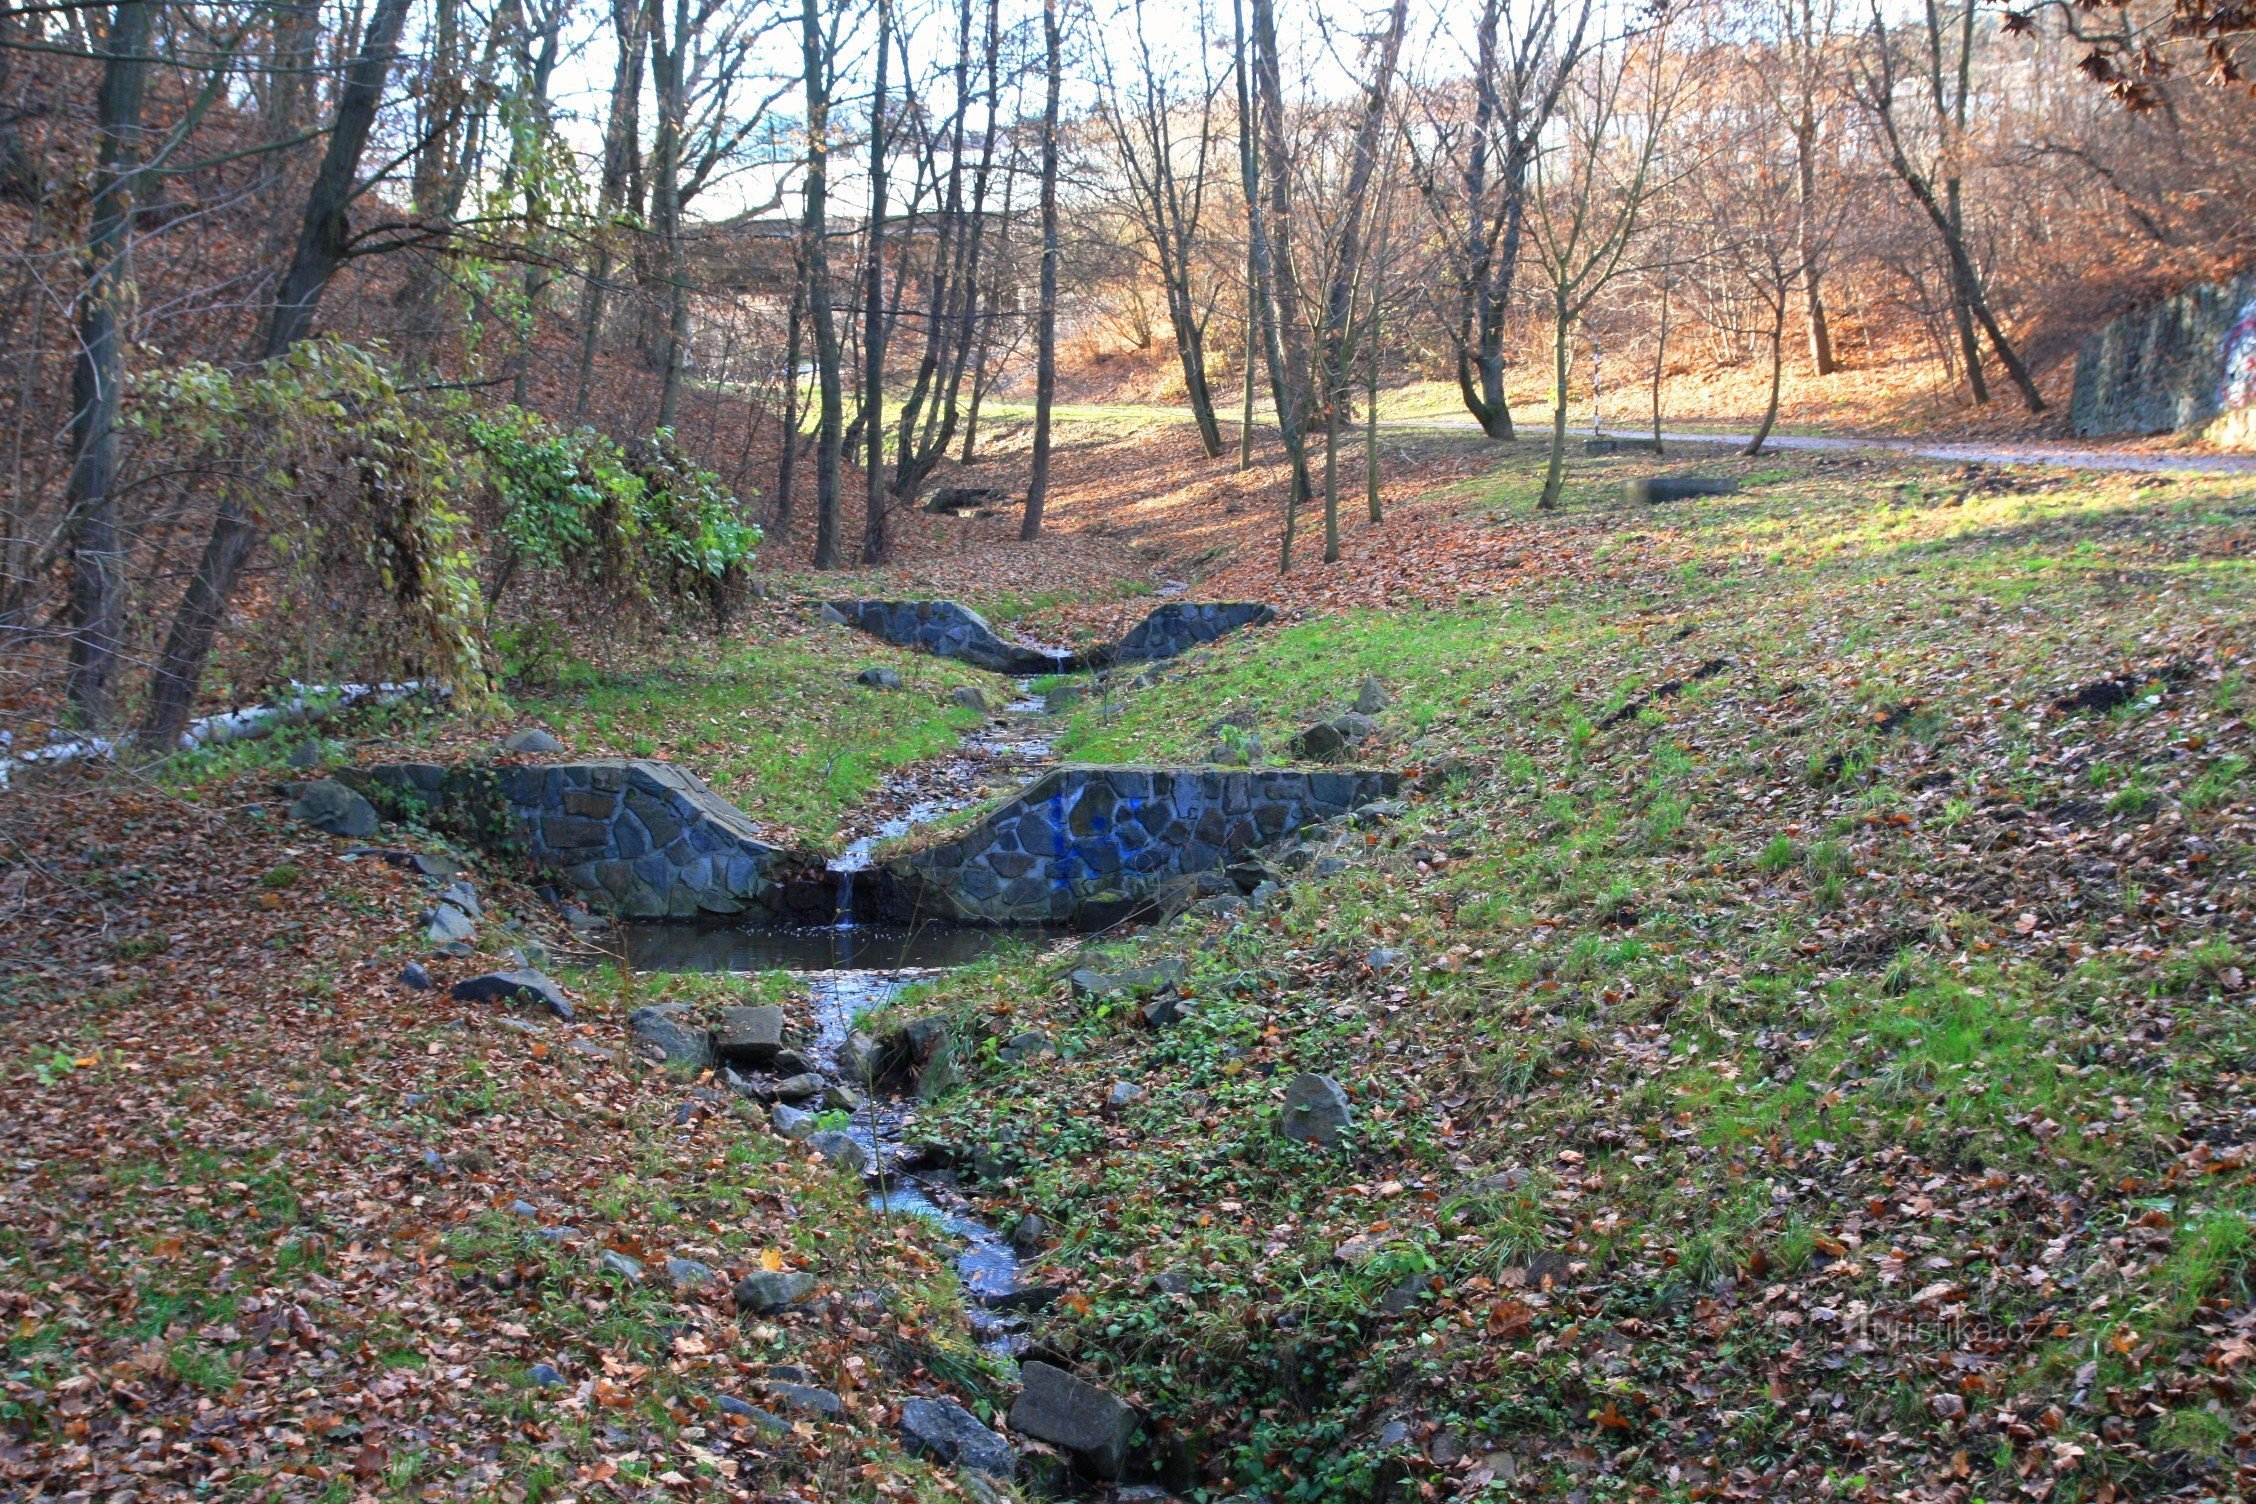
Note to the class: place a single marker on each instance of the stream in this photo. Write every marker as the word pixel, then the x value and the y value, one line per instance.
pixel 851 968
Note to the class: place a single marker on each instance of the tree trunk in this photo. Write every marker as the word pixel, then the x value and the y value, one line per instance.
pixel 1283 330
pixel 537 276
pixel 1660 347
pixel 1562 322
pixel 323 241
pixel 1777 371
pixel 788 463
pixel 1962 298
pixel 829 440
pixel 1331 479
pixel 97 597
pixel 668 67
pixel 1813 298
pixel 1371 385
pixel 1347 263
pixel 873 312
pixel 620 146
pixel 1249 179
pixel 1045 346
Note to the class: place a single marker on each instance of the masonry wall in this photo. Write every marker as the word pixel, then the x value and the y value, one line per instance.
pixel 1086 841
pixel 645 839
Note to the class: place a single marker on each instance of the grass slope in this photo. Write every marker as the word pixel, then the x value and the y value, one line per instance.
pixel 1825 1076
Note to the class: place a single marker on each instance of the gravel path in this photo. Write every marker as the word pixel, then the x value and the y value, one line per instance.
pixel 1976 452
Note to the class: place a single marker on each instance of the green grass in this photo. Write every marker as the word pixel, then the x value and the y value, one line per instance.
pixel 1737 945
pixel 778 727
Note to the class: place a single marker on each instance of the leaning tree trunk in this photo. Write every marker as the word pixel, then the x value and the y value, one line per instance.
pixel 323 241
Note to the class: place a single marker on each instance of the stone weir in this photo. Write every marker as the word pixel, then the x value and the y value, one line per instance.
pixel 949 629
pixel 1087 845
pixel 647 840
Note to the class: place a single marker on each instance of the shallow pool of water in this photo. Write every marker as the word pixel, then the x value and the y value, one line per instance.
pixel 771 947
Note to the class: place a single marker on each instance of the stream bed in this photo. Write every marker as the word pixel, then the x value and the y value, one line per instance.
pixel 850 968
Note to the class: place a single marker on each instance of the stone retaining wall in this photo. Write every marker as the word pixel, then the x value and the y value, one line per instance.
pixel 2183 363
pixel 1179 626
pixel 952 630
pixel 949 630
pixel 1085 843
pixel 646 839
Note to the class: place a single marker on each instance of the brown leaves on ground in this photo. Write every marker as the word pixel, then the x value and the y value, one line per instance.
pixel 272 1222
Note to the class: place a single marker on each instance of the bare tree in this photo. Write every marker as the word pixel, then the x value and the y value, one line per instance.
pixel 1945 60
pixel 98 373
pixel 1045 339
pixel 1477 176
pixel 1347 258
pixel 818 50
pixel 1168 195
pixel 1591 191
pixel 630 39
pixel 874 322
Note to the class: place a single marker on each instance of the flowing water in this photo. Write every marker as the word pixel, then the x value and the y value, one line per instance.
pixel 850 968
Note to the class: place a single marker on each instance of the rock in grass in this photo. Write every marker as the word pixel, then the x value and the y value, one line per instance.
pixel 808 1399
pixel 524 986
pixel 543 1376
pixel 626 1266
pixel 1328 741
pixel 878 678
pixel 448 925
pixel 969 697
pixel 414 977
pixel 1136 981
pixel 792 1122
pixel 531 740
pixel 765 1420
pixel 1647 489
pixel 1316 1110
pixel 767 1291
pixel 947 1431
pixel 1371 696
pixel 1092 1423
pixel 672 1032
pixel 687 1274
pixel 330 807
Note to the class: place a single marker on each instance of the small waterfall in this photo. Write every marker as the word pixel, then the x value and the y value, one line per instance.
pixel 856 858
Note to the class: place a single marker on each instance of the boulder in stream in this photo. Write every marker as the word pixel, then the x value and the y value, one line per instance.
pixel 841 1149
pixel 921 1053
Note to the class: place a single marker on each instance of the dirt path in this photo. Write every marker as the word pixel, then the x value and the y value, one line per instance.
pixel 1974 452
